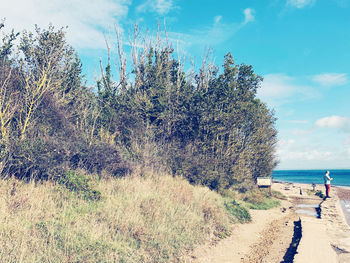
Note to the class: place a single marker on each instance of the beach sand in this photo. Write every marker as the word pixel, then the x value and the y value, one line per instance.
pixel 268 238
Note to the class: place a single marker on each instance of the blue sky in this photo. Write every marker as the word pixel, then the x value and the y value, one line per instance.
pixel 300 47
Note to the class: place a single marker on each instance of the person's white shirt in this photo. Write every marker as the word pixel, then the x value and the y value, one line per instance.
pixel 327 179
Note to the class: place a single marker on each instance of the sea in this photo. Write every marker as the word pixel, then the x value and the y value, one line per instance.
pixel 340 177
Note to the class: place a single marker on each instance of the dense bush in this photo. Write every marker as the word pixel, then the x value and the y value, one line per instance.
pixel 80 184
pixel 213 131
pixel 210 128
pixel 46 114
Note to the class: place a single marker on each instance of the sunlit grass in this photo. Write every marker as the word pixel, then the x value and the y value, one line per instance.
pixel 151 219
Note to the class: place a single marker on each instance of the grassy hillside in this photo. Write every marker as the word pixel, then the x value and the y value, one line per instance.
pixel 136 220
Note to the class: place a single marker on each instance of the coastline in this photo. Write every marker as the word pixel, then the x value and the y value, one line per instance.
pixel 324 239
pixel 270 235
pixel 342 192
pixel 308 184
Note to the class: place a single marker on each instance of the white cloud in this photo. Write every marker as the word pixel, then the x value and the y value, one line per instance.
pixel 290 150
pixel 248 15
pixel 217 19
pixel 205 37
pixel 279 88
pixel 306 152
pixel 311 155
pixel 161 7
pixel 347 140
pixel 337 122
pixel 86 18
pixel 209 36
pixel 331 79
pixel 284 143
pixel 300 3
pixel 316 148
pixel 300 132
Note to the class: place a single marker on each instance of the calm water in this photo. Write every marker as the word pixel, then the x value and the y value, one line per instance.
pixel 340 177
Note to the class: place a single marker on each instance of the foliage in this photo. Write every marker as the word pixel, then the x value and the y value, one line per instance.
pixel 267 204
pixel 46 114
pixel 208 127
pixel 260 199
pixel 213 131
pixel 80 184
pixel 279 195
pixel 237 211
pixel 138 220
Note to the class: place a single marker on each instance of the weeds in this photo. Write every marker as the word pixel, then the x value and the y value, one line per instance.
pixel 267 204
pixel 261 199
pixel 137 220
pixel 238 212
pixel 79 183
pixel 278 195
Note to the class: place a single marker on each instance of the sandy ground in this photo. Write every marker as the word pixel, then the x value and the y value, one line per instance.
pixel 269 236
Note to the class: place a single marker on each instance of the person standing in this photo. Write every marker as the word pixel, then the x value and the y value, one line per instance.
pixel 327 183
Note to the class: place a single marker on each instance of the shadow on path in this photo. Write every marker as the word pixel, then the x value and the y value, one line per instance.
pixel 292 250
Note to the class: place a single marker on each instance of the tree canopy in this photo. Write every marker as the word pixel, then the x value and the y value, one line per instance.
pixel 209 126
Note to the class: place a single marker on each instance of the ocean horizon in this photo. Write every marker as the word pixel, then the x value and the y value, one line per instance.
pixel 341 177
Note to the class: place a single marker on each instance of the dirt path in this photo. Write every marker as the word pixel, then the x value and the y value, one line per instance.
pixel 337 228
pixel 265 239
pixel 323 240
pixel 273 242
pixel 268 237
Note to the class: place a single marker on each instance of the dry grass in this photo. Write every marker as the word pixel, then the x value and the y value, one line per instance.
pixel 137 220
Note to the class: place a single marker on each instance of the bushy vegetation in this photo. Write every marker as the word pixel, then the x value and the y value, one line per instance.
pixel 80 184
pixel 138 219
pixel 208 126
pixel 238 212
pixel 260 199
pixel 46 112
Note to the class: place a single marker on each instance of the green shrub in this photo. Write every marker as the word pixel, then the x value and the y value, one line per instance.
pixel 278 195
pixel 238 212
pixel 261 199
pixel 80 184
pixel 267 204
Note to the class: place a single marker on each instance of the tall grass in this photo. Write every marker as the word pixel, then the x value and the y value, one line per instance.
pixel 260 199
pixel 136 220
pixel 255 198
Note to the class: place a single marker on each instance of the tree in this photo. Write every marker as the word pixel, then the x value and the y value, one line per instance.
pixel 8 79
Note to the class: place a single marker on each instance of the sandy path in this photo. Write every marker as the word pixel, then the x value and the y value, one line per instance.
pixel 326 239
pixel 315 245
pixel 268 236
pixel 337 228
pixel 244 245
